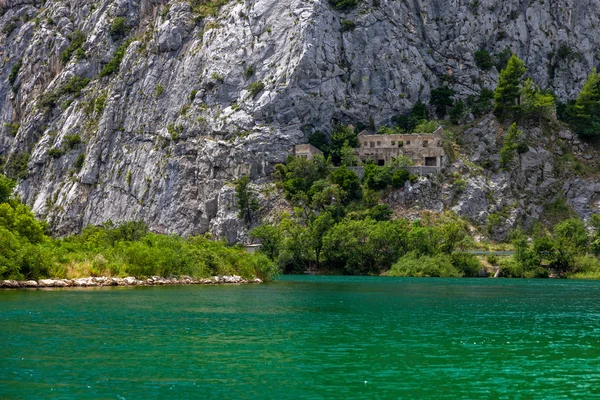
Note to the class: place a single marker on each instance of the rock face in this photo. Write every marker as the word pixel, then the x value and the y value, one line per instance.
pixel 161 137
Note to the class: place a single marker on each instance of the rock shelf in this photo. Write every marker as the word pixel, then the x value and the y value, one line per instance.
pixel 128 281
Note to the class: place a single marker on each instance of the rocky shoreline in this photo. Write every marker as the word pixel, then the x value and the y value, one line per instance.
pixel 128 281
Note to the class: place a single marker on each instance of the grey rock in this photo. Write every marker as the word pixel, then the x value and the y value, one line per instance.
pixel 155 155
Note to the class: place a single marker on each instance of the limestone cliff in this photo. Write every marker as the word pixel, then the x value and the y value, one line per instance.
pixel 198 101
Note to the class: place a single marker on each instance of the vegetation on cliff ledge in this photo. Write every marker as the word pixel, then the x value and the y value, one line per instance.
pixel 28 252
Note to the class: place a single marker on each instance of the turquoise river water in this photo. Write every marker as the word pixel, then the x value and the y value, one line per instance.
pixel 305 337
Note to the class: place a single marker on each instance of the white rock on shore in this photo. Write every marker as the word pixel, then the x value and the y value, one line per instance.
pixel 128 281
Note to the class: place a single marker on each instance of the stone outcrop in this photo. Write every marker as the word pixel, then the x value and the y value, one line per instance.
pixel 129 281
pixel 160 138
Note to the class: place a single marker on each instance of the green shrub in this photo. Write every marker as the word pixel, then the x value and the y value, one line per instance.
pixel 118 28
pixel 74 86
pixel 160 89
pixel 399 178
pixel 412 264
pixel 114 64
pixel 13 128
pixel 483 60
pixel 217 77
pixel 14 72
pixel 467 263
pixel 72 140
pixel 377 178
pixel 16 167
pixel 77 40
pixel 343 4
pixel 48 100
pixel 8 29
pixel 207 8
pixel 55 153
pixel 348 25
pixel 255 88
pixel 249 71
pixel 6 188
pixel 79 162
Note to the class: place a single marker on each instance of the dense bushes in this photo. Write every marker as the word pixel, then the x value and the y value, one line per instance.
pixel 339 224
pixel 27 252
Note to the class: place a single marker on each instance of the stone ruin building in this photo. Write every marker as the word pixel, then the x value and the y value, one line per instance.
pixel 425 150
pixel 307 151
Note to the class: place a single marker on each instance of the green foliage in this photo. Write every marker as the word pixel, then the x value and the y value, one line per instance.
pixel 320 141
pixel 255 88
pixel 483 60
pixel 348 181
pixel 16 167
pixel 347 25
pixel 586 110
pixel 160 89
pixel 427 127
pixel 79 162
pixel 511 143
pixel 399 178
pixel 77 40
pixel 71 141
pixel 417 115
pixel 13 128
pixel 364 246
pixel 56 153
pixel 9 28
pixel 26 252
pixel 536 104
pixel 347 156
pixel 207 8
pixel 114 64
pixel 217 77
pixel 377 178
pixel 74 86
pixel 118 28
pixel 413 264
pixel 6 188
pixel 502 59
pixel 507 95
pixel 483 104
pixel 247 200
pixel 441 98
pixel 341 136
pixel 248 72
pixel 14 72
pixel 343 4
pixel 457 112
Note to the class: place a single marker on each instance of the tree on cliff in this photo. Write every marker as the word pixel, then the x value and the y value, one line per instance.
pixel 507 95
pixel 6 188
pixel 247 200
pixel 586 118
pixel 537 104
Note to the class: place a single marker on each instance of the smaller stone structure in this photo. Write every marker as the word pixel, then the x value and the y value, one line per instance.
pixel 425 150
pixel 307 151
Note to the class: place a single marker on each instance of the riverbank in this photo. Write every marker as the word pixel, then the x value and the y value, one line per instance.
pixel 128 281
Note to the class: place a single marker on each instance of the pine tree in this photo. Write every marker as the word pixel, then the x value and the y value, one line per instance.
pixel 536 104
pixel 511 143
pixel 247 200
pixel 586 119
pixel 507 93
